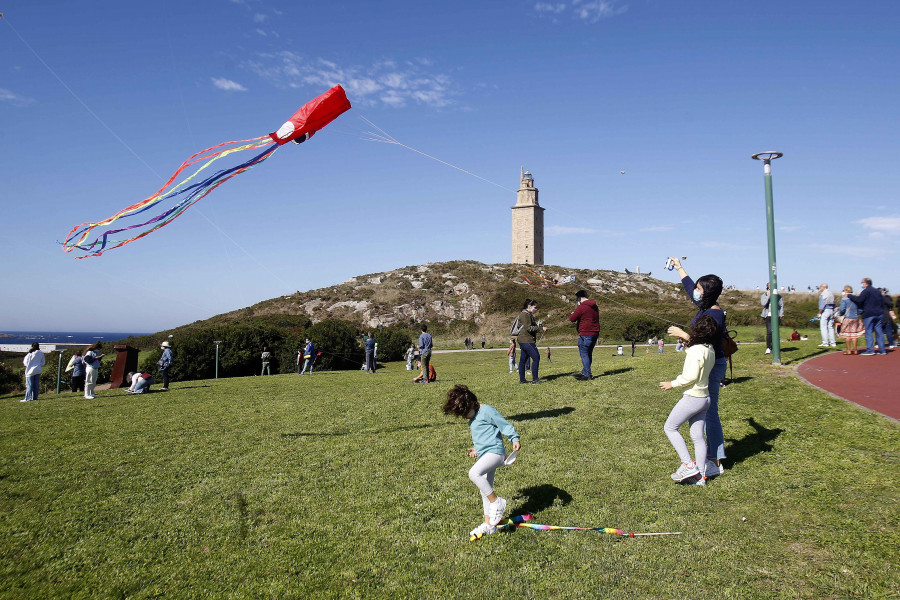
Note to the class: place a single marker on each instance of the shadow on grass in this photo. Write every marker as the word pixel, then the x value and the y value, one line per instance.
pixel 557 375
pixel 751 444
pixel 818 352
pixel 301 434
pixel 540 497
pixel 738 380
pixel 614 372
pixel 542 414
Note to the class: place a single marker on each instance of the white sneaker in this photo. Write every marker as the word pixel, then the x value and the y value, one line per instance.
pixel 701 480
pixel 768 351
pixel 496 510
pixel 685 471
pixel 823 345
pixel 481 531
pixel 24 400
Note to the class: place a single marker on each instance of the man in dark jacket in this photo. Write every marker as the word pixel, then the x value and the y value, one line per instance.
pixel 588 318
pixel 887 320
pixel 871 306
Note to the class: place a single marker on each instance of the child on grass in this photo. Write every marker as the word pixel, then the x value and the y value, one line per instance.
pixel 488 428
pixel 699 361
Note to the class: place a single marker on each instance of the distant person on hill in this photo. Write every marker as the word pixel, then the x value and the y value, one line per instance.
pixel 527 343
pixel 619 350
pixel 871 303
pixel 705 296
pixel 587 319
pixel 425 345
pixel 633 345
pixel 432 375
pixel 140 382
pixel 92 358
pixel 487 427
pixel 826 316
pixel 76 365
pixel 795 335
pixel 767 315
pixel 370 354
pixel 852 327
pixel 410 355
pixel 299 359
pixel 679 345
pixel 483 341
pixel 309 356
pixel 660 344
pixel 266 357
pixel 699 361
pixel 34 362
pixel 511 353
pixel 164 363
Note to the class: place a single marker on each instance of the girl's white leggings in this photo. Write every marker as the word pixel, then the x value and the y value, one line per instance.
pixel 689 409
pixel 482 475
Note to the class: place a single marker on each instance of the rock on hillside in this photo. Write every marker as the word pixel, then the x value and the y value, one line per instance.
pixel 449 291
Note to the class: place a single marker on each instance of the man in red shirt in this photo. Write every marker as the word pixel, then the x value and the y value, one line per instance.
pixel 588 318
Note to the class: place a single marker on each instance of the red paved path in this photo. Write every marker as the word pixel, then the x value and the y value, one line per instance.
pixel 870 381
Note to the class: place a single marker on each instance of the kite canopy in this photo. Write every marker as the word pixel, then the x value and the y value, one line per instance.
pixel 312 117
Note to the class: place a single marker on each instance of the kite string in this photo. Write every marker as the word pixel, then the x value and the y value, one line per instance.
pixel 389 139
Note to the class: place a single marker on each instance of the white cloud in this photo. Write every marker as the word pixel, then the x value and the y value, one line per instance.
pixel 388 82
pixel 790 228
pixel 260 18
pixel 850 250
pixel 563 230
pixel 13 98
pixel 228 85
pixel 880 226
pixel 261 32
pixel 658 228
pixel 589 11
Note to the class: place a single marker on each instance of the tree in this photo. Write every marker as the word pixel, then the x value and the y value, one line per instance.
pixel 639 327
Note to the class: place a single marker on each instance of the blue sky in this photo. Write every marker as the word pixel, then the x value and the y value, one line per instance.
pixel 101 101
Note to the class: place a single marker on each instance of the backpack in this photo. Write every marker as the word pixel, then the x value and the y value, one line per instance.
pixel 516 327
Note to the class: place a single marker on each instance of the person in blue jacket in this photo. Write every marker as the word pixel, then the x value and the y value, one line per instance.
pixel 488 427
pixel 309 356
pixel 871 306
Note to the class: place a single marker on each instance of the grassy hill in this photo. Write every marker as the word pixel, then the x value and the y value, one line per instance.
pixel 460 298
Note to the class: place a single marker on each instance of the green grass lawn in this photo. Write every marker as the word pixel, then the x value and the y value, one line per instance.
pixel 347 485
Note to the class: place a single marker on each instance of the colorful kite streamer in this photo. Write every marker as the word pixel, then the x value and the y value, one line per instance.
pixel 523 521
pixel 311 117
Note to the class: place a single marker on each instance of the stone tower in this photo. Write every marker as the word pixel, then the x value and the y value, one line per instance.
pixel 527 224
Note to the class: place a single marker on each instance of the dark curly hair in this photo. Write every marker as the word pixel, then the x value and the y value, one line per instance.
pixel 704 330
pixel 712 289
pixel 460 401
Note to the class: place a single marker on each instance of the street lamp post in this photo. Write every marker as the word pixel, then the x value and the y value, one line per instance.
pixel 767 158
pixel 217 342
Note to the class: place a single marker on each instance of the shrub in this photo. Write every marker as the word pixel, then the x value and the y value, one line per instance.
pixel 393 342
pixel 640 327
pixel 339 344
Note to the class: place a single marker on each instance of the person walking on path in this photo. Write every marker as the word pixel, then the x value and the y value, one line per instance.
pixel 871 303
pixel 487 427
pixel 705 296
pixel 309 356
pixel 887 321
pixel 852 326
pixel 425 345
pixel 699 361
pixel 660 343
pixel 34 362
pixel 826 316
pixel 266 357
pixel 92 358
pixel 587 317
pixel 633 345
pixel 164 363
pixel 370 354
pixel 527 343
pixel 76 365
pixel 511 353
pixel 767 315
pixel 483 341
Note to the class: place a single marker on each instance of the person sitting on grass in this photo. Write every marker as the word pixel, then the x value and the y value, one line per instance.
pixel 488 427
pixel 699 360
pixel 432 375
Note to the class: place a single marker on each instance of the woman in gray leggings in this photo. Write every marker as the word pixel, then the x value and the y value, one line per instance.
pixel 699 361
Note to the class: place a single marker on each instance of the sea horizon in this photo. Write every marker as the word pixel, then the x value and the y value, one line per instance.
pixel 8 337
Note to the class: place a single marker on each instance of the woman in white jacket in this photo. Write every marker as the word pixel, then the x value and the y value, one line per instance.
pixel 33 362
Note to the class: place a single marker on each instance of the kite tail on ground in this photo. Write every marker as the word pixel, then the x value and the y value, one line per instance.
pixel 78 237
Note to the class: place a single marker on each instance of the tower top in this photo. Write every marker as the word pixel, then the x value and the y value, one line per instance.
pixel 526 179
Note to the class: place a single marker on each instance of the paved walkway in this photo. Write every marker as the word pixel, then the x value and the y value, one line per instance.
pixel 872 382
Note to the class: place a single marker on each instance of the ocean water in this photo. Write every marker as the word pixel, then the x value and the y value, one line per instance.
pixel 61 337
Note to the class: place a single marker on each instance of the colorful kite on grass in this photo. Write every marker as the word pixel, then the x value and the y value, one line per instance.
pixel 525 521
pixel 311 117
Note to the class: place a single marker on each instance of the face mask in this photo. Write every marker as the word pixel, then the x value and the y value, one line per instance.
pixel 697 295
